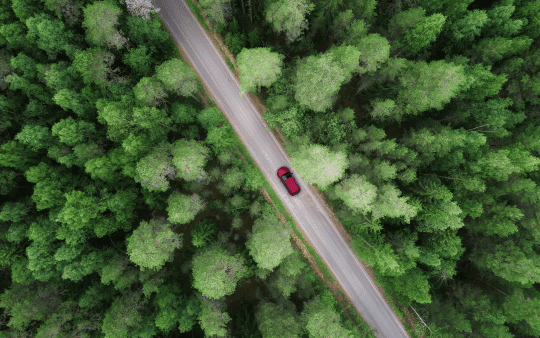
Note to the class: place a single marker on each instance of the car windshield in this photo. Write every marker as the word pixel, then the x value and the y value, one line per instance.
pixel 286 176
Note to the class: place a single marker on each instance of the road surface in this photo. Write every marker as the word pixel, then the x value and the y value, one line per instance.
pixel 268 154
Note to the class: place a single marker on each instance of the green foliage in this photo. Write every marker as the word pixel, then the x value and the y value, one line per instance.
pixel 255 39
pixel 210 118
pixel 152 169
pixel 374 50
pixel 470 26
pixel 218 12
pixel 152 244
pixel 258 66
pixel 100 19
pixel 203 232
pixel 178 77
pixel 175 309
pixel 269 242
pixel 317 164
pixel 278 320
pixel 289 17
pixel 189 159
pixel 123 314
pixel 500 24
pixel 213 319
pixel 235 41
pixel 92 64
pixel 140 60
pixel 48 33
pixel 221 138
pixel 25 9
pixel 147 32
pixel 216 272
pixel 322 321
pixel 183 208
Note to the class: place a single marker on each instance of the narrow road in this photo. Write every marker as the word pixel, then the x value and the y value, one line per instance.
pixel 268 154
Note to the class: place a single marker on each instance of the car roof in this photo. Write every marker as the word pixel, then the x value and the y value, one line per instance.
pixel 282 171
pixel 291 183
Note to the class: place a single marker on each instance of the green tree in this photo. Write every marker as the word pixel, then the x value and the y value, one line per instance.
pixel 520 308
pixel 49 34
pixel 212 318
pixel 79 210
pixel 320 320
pixel 140 60
pixel 267 253
pixel 278 320
pixel 390 204
pixel 119 272
pixel 423 89
pixel 150 91
pixel 175 308
pixel 221 138
pixel 15 35
pixel 500 24
pixel 153 169
pixel 218 12
pixel 35 136
pixel 24 64
pixel 342 21
pixel 203 232
pixel 25 9
pixel 152 244
pixel 210 118
pixel 216 272
pixel 258 67
pixel 183 208
pixel 68 99
pixel 319 80
pixel 411 286
pixel 374 51
pixel 317 164
pixel 73 132
pixel 94 64
pixel 27 303
pixel 123 315
pixel 506 260
pixel 289 17
pixel 102 168
pixel 148 32
pixel 178 77
pixel 100 20
pixel 189 158
pixel 404 21
pixel 235 41
pixel 470 26
pixel 357 193
pixel 490 50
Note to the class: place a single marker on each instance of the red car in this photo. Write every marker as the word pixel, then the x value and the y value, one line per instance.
pixel 288 181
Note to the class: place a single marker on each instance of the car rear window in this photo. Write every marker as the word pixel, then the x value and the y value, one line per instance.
pixel 291 184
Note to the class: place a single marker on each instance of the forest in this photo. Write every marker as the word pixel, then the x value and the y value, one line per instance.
pixel 128 210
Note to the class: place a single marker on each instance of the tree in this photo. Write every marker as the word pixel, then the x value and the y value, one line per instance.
pixel 149 91
pixel 357 193
pixel 15 35
pixel 212 318
pixel 342 21
pixel 210 118
pixel 94 64
pixel 520 308
pixel 412 286
pixel 389 204
pixel 269 242
pixel 124 314
pixel 49 34
pixel 483 83
pixel 68 10
pixel 289 122
pixel 148 32
pixel 183 208
pixel 221 138
pixel 319 80
pixel 405 21
pixel 140 60
pixel 152 244
pixel 151 118
pixel 203 232
pixel 429 86
pixel 506 260
pixel 27 303
pixel 218 12
pixel 320 320
pixel 35 136
pixel 102 168
pixel 374 50
pixel 258 67
pixel 175 309
pixel 178 77
pixel 153 169
pixel 50 181
pixel 68 99
pixel 354 33
pixel 317 164
pixel 25 9
pixel 216 272
pixel 189 158
pixel 470 26
pixel 141 8
pixel 491 50
pixel 500 24
pixel 79 210
pixel 278 320
pixel 289 17
pixel 100 19
pixel 73 132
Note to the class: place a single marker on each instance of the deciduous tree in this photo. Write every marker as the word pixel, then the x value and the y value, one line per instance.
pixel 141 8
pixel 216 272
pixel 183 208
pixel 374 50
pixel 49 34
pixel 175 308
pixel 100 20
pixel 189 158
pixel 150 91
pixel 320 320
pixel 152 244
pixel 289 17
pixel 212 318
pixel 140 60
pixel 278 320
pixel 153 169
pixel 258 67
pixel 177 77
pixel 317 164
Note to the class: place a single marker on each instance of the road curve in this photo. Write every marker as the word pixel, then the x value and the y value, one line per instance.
pixel 268 154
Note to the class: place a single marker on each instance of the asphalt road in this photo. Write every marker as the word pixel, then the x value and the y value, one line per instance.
pixel 268 154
